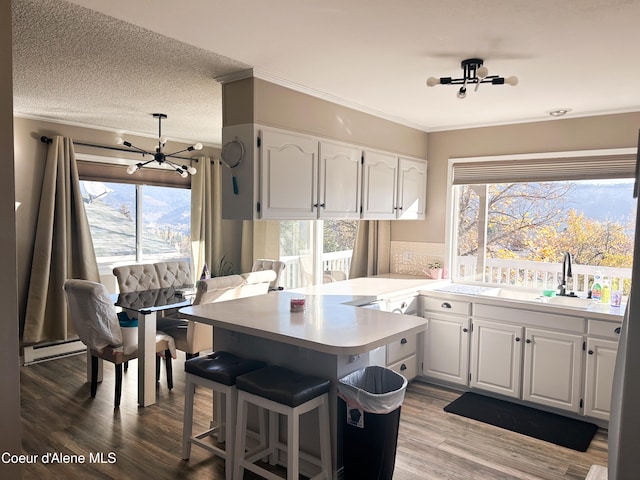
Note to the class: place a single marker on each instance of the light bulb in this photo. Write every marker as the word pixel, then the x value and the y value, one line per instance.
pixel 482 72
pixel 432 81
pixel 131 169
pixel 182 173
pixel 163 140
pixel 513 81
pixel 462 93
pixel 119 140
pixel 197 146
pixel 192 170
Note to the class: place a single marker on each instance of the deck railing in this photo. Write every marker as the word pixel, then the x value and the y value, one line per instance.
pixel 299 268
pixel 539 275
pixel 518 273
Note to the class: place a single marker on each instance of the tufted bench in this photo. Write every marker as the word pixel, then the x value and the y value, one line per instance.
pixel 150 276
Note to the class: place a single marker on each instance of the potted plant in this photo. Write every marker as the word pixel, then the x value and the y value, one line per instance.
pixel 435 270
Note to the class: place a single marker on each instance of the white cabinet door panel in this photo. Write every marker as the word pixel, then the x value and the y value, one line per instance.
pixel 553 369
pixel 601 362
pixel 340 170
pixel 412 189
pixel 289 165
pixel 496 357
pixel 446 348
pixel 380 176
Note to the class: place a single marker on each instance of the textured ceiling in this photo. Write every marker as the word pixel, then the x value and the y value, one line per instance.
pixel 77 65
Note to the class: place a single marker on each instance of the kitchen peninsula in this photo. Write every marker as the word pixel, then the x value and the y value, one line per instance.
pixel 330 339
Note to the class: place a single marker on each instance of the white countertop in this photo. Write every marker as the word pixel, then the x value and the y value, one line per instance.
pixel 327 325
pixel 376 287
pixel 596 311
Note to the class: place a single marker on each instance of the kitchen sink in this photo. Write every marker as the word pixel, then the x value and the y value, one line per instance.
pixel 574 302
pixel 514 294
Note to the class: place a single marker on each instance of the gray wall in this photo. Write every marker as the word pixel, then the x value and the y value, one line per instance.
pixel 588 133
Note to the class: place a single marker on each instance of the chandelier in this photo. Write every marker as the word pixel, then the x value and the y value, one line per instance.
pixel 474 72
pixel 159 156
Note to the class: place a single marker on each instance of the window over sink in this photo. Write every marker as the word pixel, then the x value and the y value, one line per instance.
pixel 513 220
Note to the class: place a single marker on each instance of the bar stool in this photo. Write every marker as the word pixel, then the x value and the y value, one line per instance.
pixel 218 372
pixel 282 392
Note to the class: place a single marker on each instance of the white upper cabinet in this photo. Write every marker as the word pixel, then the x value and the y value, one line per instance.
pixel 393 187
pixel 284 175
pixel 339 187
pixel 412 189
pixel 379 185
pixel 288 172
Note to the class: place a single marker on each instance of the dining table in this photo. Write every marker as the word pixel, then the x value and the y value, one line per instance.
pixel 146 305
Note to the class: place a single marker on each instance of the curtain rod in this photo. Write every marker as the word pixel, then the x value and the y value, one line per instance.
pixel 45 139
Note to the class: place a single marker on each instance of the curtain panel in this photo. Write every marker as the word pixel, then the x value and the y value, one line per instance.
pixel 371 252
pixel 206 217
pixel 63 247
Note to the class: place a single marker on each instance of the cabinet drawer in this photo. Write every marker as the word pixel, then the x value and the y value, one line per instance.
pixel 406 367
pixel 401 348
pixel 600 328
pixel 447 306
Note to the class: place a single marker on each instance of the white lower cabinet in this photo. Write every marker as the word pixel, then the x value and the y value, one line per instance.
pixel 601 362
pixel 536 365
pixel 446 348
pixel 553 369
pixel 562 361
pixel 496 357
pixel 402 356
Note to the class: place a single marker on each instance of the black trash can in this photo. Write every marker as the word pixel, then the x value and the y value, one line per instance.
pixel 369 410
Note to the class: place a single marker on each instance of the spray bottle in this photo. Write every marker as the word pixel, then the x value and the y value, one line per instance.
pixel 596 287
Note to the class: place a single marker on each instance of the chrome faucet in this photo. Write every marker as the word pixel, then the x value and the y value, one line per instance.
pixel 566 276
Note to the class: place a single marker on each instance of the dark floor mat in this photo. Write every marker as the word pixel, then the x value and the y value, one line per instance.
pixel 563 431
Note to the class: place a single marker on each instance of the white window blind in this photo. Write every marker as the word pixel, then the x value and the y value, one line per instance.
pixel 547 168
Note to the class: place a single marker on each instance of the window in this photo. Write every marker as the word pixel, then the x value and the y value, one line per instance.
pixel 510 231
pixel 137 223
pixel 316 251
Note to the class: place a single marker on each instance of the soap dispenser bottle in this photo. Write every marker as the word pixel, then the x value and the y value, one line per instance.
pixel 606 291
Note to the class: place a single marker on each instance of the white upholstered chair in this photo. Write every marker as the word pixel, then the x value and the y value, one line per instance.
pixel 329 276
pixel 173 274
pixel 95 320
pixel 194 337
pixel 153 276
pixel 275 265
pixel 133 278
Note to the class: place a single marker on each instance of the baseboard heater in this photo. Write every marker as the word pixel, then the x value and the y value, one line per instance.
pixel 41 353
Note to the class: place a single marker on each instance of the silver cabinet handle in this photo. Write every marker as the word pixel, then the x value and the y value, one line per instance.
pixel 445 305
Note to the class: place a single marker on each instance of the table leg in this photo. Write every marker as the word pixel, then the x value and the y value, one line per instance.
pixel 146 358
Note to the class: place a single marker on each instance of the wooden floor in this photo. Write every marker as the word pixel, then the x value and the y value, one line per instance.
pixel 59 417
